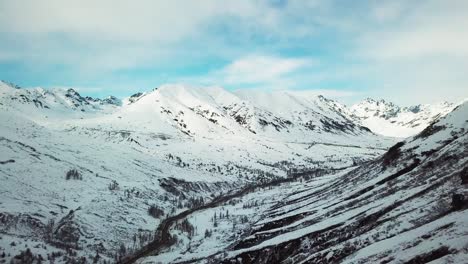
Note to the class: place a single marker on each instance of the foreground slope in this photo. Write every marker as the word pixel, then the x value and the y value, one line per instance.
pixel 396 209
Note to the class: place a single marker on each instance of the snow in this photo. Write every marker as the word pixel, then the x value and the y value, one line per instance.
pixel 397 243
pixel 394 239
pixel 416 219
pixel 228 229
pixel 210 139
pixel 388 119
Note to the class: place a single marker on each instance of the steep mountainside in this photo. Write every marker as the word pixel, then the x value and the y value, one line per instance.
pixel 388 119
pixel 410 205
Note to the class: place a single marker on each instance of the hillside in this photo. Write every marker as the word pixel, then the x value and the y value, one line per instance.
pixel 407 206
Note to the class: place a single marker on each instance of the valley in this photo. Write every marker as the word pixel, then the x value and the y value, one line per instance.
pixel 183 174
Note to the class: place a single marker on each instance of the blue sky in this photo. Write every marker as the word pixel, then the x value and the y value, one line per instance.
pixel 405 51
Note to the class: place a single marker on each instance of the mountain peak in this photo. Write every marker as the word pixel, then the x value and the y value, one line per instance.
pixel 323 98
pixel 72 91
pixel 368 100
pixel 378 102
pixel 415 108
pixel 8 85
pixel 133 98
pixel 112 100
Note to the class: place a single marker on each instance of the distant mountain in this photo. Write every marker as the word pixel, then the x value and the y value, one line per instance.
pixel 269 113
pixel 55 100
pixel 211 112
pixel 215 110
pixel 388 119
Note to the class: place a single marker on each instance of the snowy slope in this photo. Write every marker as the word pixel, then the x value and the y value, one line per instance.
pixel 388 119
pixel 213 110
pixel 398 208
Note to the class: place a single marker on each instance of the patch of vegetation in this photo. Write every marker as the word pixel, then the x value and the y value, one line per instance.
pixel 392 154
pixel 155 211
pixel 464 176
pixel 430 130
pixel 113 186
pixel 26 257
pixel 73 174
pixel 458 201
pixel 430 256
pixel 187 227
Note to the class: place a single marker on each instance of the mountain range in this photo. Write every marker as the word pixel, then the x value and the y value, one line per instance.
pixel 92 178
pixel 388 119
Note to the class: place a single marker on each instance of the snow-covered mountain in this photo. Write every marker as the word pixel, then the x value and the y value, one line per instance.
pixel 407 206
pixel 93 178
pixel 56 100
pixel 89 174
pixel 388 119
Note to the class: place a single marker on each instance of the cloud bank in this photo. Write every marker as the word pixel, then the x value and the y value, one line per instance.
pixel 365 48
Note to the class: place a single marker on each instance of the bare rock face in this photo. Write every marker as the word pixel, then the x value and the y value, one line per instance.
pixel 458 201
pixel 23 224
pixel 464 176
pixel 66 233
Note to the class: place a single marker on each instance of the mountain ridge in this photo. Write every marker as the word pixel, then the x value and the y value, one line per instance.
pixel 381 117
pixel 389 119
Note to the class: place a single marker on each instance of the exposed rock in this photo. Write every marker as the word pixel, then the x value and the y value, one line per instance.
pixel 464 176
pixel 458 201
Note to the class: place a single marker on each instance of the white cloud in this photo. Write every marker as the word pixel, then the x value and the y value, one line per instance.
pixel 422 55
pixel 87 33
pixel 110 35
pixel 429 28
pixel 263 72
pixel 436 33
pixel 388 47
pixel 261 69
pixel 387 11
pixel 111 20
